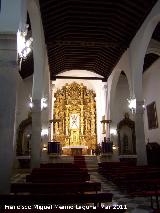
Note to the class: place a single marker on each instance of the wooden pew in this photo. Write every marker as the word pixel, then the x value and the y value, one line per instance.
pixel 54 171
pixel 58 165
pixel 58 199
pixel 51 188
pixel 37 178
pixel 151 194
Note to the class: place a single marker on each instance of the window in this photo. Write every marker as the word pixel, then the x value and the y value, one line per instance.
pixel 152 116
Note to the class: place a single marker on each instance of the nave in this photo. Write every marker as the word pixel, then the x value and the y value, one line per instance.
pixel 121 198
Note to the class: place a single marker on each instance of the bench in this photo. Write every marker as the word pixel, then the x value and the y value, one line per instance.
pixel 58 199
pixel 37 178
pixel 55 171
pixel 151 194
pixel 48 188
pixel 58 165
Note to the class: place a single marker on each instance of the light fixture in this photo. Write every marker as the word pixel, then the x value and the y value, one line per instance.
pixel 30 103
pixel 114 147
pixel 132 104
pixel 44 147
pixel 44 103
pixel 24 46
pixel 44 132
pixel 113 131
pixel 144 105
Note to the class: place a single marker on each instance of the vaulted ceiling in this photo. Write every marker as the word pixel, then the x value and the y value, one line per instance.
pixel 90 34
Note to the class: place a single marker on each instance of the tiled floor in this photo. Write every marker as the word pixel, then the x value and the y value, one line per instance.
pixel 134 205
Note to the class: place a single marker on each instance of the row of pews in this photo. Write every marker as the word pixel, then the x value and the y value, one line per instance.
pixel 59 186
pixel 143 181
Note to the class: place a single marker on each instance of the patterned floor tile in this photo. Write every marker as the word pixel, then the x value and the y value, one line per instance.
pixel 134 205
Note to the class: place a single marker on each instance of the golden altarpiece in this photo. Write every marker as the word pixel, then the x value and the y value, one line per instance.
pixel 75 110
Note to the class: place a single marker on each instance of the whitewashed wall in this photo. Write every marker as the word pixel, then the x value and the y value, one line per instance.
pixel 24 90
pixel 12 15
pixel 151 92
pixel 121 103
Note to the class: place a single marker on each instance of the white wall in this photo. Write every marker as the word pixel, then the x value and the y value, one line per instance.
pixel 23 92
pixel 120 103
pixel 151 88
pixel 11 16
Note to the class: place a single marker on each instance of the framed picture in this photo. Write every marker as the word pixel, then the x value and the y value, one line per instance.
pixel 152 116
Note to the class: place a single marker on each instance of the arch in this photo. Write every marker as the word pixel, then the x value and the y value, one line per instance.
pixel 39 49
pixel 25 123
pixel 155 51
pixel 138 49
pixel 153 47
pixel 113 86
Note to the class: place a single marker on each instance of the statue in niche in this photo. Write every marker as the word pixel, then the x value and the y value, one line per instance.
pixel 126 136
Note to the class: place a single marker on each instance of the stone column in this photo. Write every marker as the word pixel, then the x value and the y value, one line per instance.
pixel 140 136
pixel 8 84
pixel 107 114
pixel 36 147
pixel 50 112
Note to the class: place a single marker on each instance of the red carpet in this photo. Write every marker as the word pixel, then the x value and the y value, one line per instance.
pixel 80 161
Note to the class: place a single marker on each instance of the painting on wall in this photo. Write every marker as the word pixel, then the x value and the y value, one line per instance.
pixel 152 116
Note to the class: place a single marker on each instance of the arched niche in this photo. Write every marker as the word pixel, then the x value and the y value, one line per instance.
pixel 23 136
pixel 119 101
pixel 126 136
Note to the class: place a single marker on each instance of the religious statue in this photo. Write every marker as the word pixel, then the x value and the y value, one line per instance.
pixel 126 136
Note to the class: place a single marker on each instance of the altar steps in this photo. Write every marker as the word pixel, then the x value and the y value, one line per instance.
pixel 90 161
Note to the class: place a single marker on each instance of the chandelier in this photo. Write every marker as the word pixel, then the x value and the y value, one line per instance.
pixel 24 46
pixel 132 104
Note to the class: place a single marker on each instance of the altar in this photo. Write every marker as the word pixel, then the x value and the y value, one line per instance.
pixel 75 150
pixel 75 119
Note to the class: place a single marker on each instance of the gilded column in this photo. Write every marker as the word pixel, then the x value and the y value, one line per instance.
pixel 92 116
pixel 82 120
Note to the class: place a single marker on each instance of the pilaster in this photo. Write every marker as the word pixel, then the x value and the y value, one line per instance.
pixel 8 87
pixel 36 146
pixel 140 136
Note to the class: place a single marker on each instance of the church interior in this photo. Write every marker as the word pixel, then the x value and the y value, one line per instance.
pixel 80 107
